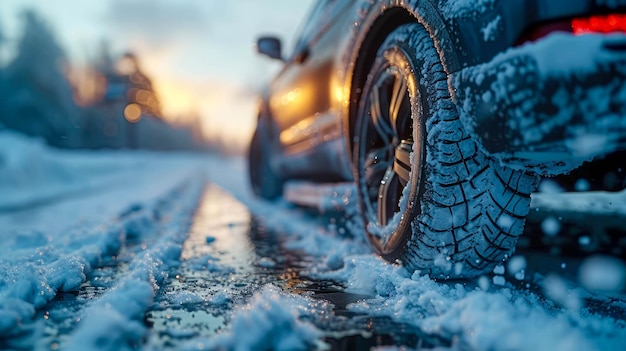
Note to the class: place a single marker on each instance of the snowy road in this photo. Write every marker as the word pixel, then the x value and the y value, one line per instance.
pixel 110 251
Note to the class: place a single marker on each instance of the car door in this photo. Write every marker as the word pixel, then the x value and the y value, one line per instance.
pixel 300 99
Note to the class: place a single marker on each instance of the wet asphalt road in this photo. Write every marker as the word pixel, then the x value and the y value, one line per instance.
pixel 229 254
pixel 224 229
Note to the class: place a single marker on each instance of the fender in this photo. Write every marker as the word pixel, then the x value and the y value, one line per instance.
pixel 373 21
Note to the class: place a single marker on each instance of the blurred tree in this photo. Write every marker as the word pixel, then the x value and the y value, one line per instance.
pixel 2 40
pixel 102 112
pixel 37 96
pixel 139 86
pixel 1 74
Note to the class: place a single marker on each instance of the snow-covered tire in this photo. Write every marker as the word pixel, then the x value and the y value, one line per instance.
pixel 428 196
pixel 264 181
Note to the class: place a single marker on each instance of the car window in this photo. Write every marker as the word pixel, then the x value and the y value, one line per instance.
pixel 319 17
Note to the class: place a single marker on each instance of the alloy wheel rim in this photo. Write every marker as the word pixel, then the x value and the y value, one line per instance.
pixel 388 144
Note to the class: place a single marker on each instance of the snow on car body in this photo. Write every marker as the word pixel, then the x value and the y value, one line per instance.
pixel 428 106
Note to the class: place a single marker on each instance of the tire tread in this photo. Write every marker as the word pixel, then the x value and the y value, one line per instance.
pixel 472 209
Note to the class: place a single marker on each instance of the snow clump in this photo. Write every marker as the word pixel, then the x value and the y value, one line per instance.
pixel 272 320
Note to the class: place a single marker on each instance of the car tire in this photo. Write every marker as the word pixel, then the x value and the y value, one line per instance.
pixel 264 181
pixel 428 196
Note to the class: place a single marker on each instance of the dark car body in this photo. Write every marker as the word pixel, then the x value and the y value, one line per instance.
pixel 311 102
pixel 444 114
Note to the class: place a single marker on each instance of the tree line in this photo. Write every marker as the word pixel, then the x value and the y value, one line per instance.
pixel 108 104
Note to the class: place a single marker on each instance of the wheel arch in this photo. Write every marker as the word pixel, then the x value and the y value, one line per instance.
pixel 378 22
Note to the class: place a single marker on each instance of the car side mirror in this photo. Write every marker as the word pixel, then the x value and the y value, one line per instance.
pixel 270 46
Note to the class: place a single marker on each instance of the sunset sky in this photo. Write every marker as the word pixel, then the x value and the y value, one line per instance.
pixel 199 53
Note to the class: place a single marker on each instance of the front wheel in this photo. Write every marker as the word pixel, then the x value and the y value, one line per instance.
pixel 428 196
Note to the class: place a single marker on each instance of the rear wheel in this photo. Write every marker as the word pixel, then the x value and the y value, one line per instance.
pixel 264 181
pixel 428 196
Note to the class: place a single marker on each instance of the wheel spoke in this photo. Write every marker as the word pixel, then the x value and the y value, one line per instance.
pixel 388 196
pixel 402 161
pixel 398 93
pixel 380 118
pixel 376 163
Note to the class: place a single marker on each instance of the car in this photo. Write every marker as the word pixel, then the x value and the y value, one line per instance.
pixel 444 114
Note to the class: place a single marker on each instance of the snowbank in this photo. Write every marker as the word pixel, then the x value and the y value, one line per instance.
pixel 29 172
pixel 32 174
pixel 498 318
pixel 50 246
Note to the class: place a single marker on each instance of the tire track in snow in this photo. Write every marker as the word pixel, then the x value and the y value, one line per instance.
pixel 115 319
pixel 129 254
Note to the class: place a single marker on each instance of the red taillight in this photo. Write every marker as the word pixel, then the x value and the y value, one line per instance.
pixel 599 24
pixel 602 24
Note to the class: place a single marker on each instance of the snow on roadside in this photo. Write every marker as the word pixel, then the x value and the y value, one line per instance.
pixel 51 242
pixel 476 319
pixel 32 174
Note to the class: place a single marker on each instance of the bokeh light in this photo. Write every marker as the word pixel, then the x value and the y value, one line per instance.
pixel 132 113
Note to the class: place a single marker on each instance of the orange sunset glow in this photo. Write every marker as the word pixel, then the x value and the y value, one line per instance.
pixel 199 59
pixel 217 108
pixel 220 110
